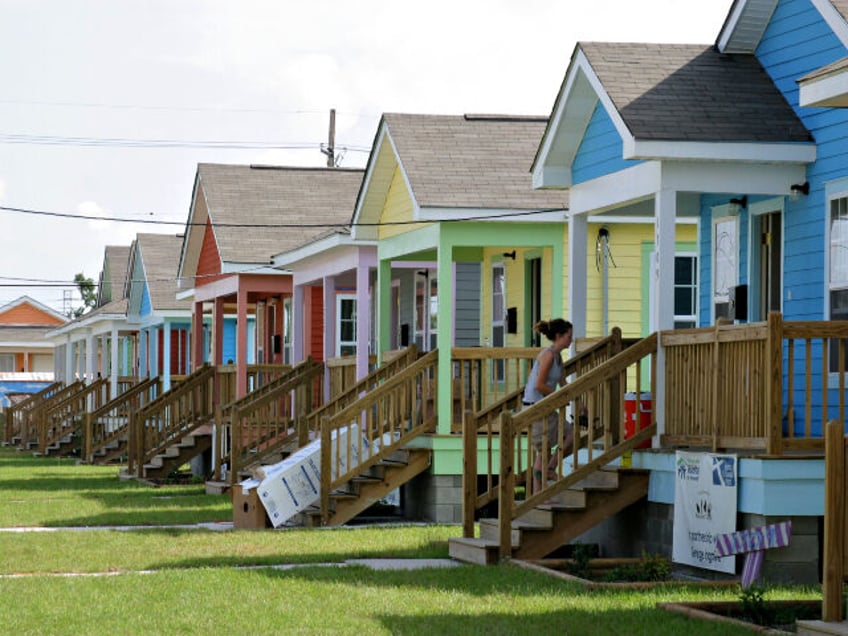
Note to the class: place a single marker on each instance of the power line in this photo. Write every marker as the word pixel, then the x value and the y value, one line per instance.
pixel 118 142
pixel 212 109
pixel 116 219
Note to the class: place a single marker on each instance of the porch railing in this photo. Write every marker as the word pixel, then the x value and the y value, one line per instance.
pixel 109 425
pixel 30 424
pixel 170 416
pixel 260 422
pixel 66 416
pixel 258 375
pixel 481 466
pixel 599 395
pixel 16 413
pixel 342 372
pixel 377 424
pixel 765 386
pixel 484 376
pixel 394 362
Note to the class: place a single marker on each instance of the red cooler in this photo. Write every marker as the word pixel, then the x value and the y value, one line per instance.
pixel 630 414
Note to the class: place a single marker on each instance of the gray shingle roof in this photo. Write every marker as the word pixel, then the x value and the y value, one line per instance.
pixel 842 7
pixel 160 255
pixel 114 274
pixel 685 92
pixel 471 161
pixel 824 71
pixel 266 195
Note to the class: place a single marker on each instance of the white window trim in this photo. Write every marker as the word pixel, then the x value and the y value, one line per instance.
pixel 340 298
pixel 834 190
pixel 721 214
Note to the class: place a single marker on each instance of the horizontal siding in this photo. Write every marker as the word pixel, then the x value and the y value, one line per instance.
pixel 398 208
pixel 26 314
pixel 600 149
pixel 467 302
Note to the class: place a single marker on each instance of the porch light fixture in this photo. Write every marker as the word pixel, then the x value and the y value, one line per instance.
pixel 509 254
pixel 736 205
pixel 797 189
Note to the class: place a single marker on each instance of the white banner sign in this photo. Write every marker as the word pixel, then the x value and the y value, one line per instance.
pixel 704 508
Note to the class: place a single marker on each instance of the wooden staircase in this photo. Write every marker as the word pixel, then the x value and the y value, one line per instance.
pixel 365 450
pixel 177 453
pixel 370 486
pixel 60 424
pixel 302 428
pixel 561 519
pixel 106 429
pixel 181 418
pixel 17 414
pixel 587 488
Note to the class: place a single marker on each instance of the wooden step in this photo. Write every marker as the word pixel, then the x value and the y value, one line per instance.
pixel 473 550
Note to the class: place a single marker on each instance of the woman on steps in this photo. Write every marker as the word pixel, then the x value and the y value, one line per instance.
pixel 544 378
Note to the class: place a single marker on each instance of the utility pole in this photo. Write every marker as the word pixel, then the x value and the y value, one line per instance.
pixel 330 150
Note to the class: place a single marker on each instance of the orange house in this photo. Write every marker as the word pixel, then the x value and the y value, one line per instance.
pixel 23 347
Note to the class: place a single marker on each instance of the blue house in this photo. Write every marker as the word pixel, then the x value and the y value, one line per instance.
pixel 747 136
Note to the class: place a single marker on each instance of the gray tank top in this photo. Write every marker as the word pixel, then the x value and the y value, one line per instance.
pixel 531 394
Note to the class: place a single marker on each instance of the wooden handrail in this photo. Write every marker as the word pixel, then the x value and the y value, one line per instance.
pixel 485 422
pixel 600 394
pixel 66 416
pixel 110 423
pixel 16 412
pixel 261 422
pixel 380 422
pixel 34 418
pixel 834 564
pixel 171 415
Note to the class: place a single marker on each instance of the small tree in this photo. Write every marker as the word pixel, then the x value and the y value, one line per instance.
pixel 88 293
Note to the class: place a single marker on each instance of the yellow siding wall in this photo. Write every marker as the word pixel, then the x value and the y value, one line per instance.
pixel 625 277
pixel 515 292
pixel 398 207
pixel 625 282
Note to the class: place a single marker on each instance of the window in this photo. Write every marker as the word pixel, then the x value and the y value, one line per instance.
pixel 685 291
pixel 685 288
pixel 434 312
pixel 287 330
pixel 498 316
pixel 7 362
pixel 426 309
pixel 346 325
pixel 725 263
pixel 838 270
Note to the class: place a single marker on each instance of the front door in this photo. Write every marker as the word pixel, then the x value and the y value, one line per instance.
pixel 767 259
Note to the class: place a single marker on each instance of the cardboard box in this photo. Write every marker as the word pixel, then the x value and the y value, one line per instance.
pixel 248 511
pixel 292 485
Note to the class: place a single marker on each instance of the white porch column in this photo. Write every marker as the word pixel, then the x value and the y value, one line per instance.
pixel 329 327
pixel 114 369
pixel 662 311
pixel 90 358
pixel 363 317
pixel 577 254
pixel 166 355
pixel 297 334
pixel 153 342
pixel 69 361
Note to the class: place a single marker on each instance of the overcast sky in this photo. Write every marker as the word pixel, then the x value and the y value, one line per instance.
pixel 85 85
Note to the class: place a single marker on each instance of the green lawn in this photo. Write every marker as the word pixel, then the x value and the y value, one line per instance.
pixel 186 581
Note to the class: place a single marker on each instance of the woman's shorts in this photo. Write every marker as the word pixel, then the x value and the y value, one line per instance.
pixel 552 432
